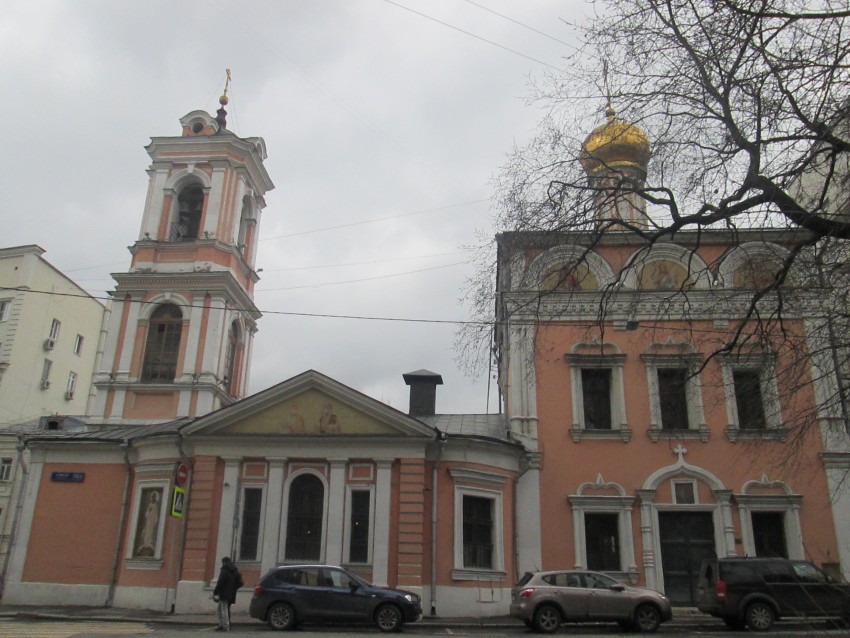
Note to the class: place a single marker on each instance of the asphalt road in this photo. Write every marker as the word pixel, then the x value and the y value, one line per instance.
pixel 36 628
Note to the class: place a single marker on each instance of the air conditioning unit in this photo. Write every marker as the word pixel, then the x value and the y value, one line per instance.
pixel 49 343
pixel 69 394
pixel 45 384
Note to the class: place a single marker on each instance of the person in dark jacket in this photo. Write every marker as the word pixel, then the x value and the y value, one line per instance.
pixel 229 580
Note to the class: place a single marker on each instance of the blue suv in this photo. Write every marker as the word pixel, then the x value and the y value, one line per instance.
pixel 291 594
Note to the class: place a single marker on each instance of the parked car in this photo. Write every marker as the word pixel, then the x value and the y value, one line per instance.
pixel 755 592
pixel 291 594
pixel 546 600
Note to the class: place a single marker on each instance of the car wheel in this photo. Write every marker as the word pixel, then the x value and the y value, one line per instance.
pixel 760 616
pixel 388 618
pixel 547 619
pixel 647 619
pixel 281 616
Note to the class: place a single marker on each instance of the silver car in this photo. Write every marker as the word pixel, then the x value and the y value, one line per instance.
pixel 546 600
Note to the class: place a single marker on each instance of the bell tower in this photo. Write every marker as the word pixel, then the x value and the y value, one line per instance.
pixel 183 316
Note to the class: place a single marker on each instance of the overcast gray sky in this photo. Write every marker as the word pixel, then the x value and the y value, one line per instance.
pixel 384 122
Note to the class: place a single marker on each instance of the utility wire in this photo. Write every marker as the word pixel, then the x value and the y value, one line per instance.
pixel 690 329
pixel 472 35
pixel 377 219
pixel 525 26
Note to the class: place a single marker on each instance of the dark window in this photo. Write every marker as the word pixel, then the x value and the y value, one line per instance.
pixel 673 397
pixel 477 532
pixel 748 398
pixel 304 520
pixel 769 534
pixel 252 506
pixel 602 540
pixel 190 204
pixel 230 360
pixel 358 546
pixel 163 345
pixel 596 391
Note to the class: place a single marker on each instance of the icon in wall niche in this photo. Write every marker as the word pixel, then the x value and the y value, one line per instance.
pixel 147 526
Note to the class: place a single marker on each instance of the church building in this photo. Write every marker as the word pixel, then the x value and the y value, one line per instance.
pixel 623 446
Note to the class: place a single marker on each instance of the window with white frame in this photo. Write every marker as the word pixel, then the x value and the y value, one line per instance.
pixel 54 329
pixel 359 512
pixel 603 529
pixel 46 367
pixel 5 469
pixel 675 394
pixel 770 523
pixel 5 307
pixel 305 518
pixel 78 344
pixel 71 386
pixel 250 526
pixel 479 534
pixel 599 407
pixel 684 491
pixel 602 541
pixel 752 397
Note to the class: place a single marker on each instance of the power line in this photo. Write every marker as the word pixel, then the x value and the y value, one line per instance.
pixel 472 35
pixel 525 26
pixel 690 329
pixel 362 263
pixel 376 219
pixel 352 281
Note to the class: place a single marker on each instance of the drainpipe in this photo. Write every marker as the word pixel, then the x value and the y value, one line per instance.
pixel 113 578
pixel 21 447
pixel 441 442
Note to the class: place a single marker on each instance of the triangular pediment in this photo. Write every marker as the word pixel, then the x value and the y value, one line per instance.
pixel 310 404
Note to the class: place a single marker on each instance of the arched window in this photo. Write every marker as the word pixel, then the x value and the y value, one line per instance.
pixel 190 204
pixel 304 520
pixel 230 359
pixel 163 345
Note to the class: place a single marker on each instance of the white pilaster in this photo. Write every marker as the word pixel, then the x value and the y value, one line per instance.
pixel 271 520
pixel 336 512
pixel 226 520
pixel 383 497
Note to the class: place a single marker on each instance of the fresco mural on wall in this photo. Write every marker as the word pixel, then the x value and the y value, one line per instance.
pixel 664 274
pixel 311 413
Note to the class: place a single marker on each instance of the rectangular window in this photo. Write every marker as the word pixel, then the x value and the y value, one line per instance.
pixel 45 373
pixel 78 344
pixel 358 544
pixel 602 540
pixel 72 385
pixel 769 534
pixel 5 306
pixel 54 329
pixel 596 392
pixel 477 532
pixel 748 399
pixel 6 469
pixel 673 398
pixel 252 509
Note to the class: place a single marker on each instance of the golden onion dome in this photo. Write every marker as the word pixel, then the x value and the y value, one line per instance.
pixel 617 144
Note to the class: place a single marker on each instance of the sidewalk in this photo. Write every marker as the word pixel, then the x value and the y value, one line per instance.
pixel 691 618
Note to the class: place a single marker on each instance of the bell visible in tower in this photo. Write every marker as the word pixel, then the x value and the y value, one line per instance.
pixel 190 204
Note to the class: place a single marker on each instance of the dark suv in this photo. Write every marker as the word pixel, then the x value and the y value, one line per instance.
pixel 291 594
pixel 754 592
